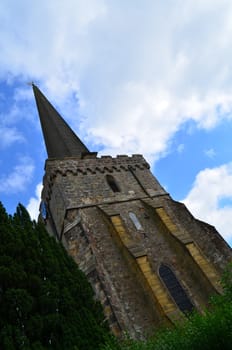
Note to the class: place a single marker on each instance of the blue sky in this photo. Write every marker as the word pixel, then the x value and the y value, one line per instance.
pixel 151 77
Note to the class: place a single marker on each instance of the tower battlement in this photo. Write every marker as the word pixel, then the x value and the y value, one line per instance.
pixel 92 181
pixel 93 165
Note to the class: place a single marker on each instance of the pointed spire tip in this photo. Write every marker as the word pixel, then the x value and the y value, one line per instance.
pixel 60 139
pixel 30 83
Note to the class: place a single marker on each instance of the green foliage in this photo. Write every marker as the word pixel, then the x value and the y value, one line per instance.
pixel 45 300
pixel 211 331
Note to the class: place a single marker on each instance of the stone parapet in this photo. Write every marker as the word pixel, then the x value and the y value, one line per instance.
pixel 104 164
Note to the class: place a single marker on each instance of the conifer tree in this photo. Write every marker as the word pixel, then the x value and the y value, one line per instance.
pixel 45 300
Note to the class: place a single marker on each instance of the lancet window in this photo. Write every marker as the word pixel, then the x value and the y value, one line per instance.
pixel 175 289
pixel 135 220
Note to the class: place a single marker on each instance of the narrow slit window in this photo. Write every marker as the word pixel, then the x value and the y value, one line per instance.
pixel 112 183
pixel 135 220
pixel 175 289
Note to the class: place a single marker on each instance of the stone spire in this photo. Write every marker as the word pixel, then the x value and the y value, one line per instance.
pixel 59 138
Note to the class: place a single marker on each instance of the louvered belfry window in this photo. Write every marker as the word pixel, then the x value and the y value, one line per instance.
pixel 112 183
pixel 175 289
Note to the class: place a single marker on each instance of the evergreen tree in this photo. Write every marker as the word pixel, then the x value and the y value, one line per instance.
pixel 45 300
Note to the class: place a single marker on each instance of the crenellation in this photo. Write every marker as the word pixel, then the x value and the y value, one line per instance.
pixel 81 167
pixel 106 157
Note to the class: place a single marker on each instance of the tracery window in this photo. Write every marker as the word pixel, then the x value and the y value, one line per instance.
pixel 175 289
pixel 112 183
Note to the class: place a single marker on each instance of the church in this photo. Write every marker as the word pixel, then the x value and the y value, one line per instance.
pixel 149 261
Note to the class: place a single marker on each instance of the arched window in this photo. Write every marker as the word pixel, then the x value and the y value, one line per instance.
pixel 175 289
pixel 135 220
pixel 112 183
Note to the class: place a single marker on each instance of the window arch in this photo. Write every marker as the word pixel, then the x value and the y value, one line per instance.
pixel 112 183
pixel 175 289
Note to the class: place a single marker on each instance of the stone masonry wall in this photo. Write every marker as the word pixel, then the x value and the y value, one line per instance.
pixel 83 180
pixel 122 262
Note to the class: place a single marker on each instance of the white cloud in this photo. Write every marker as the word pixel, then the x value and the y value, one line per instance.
pixel 34 202
pixel 138 70
pixel 210 189
pixel 9 136
pixel 19 178
pixel 14 109
pixel 210 153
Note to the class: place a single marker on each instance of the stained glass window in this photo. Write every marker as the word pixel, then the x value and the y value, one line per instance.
pixel 175 289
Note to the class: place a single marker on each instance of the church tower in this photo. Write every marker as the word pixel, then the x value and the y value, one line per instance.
pixel 148 259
